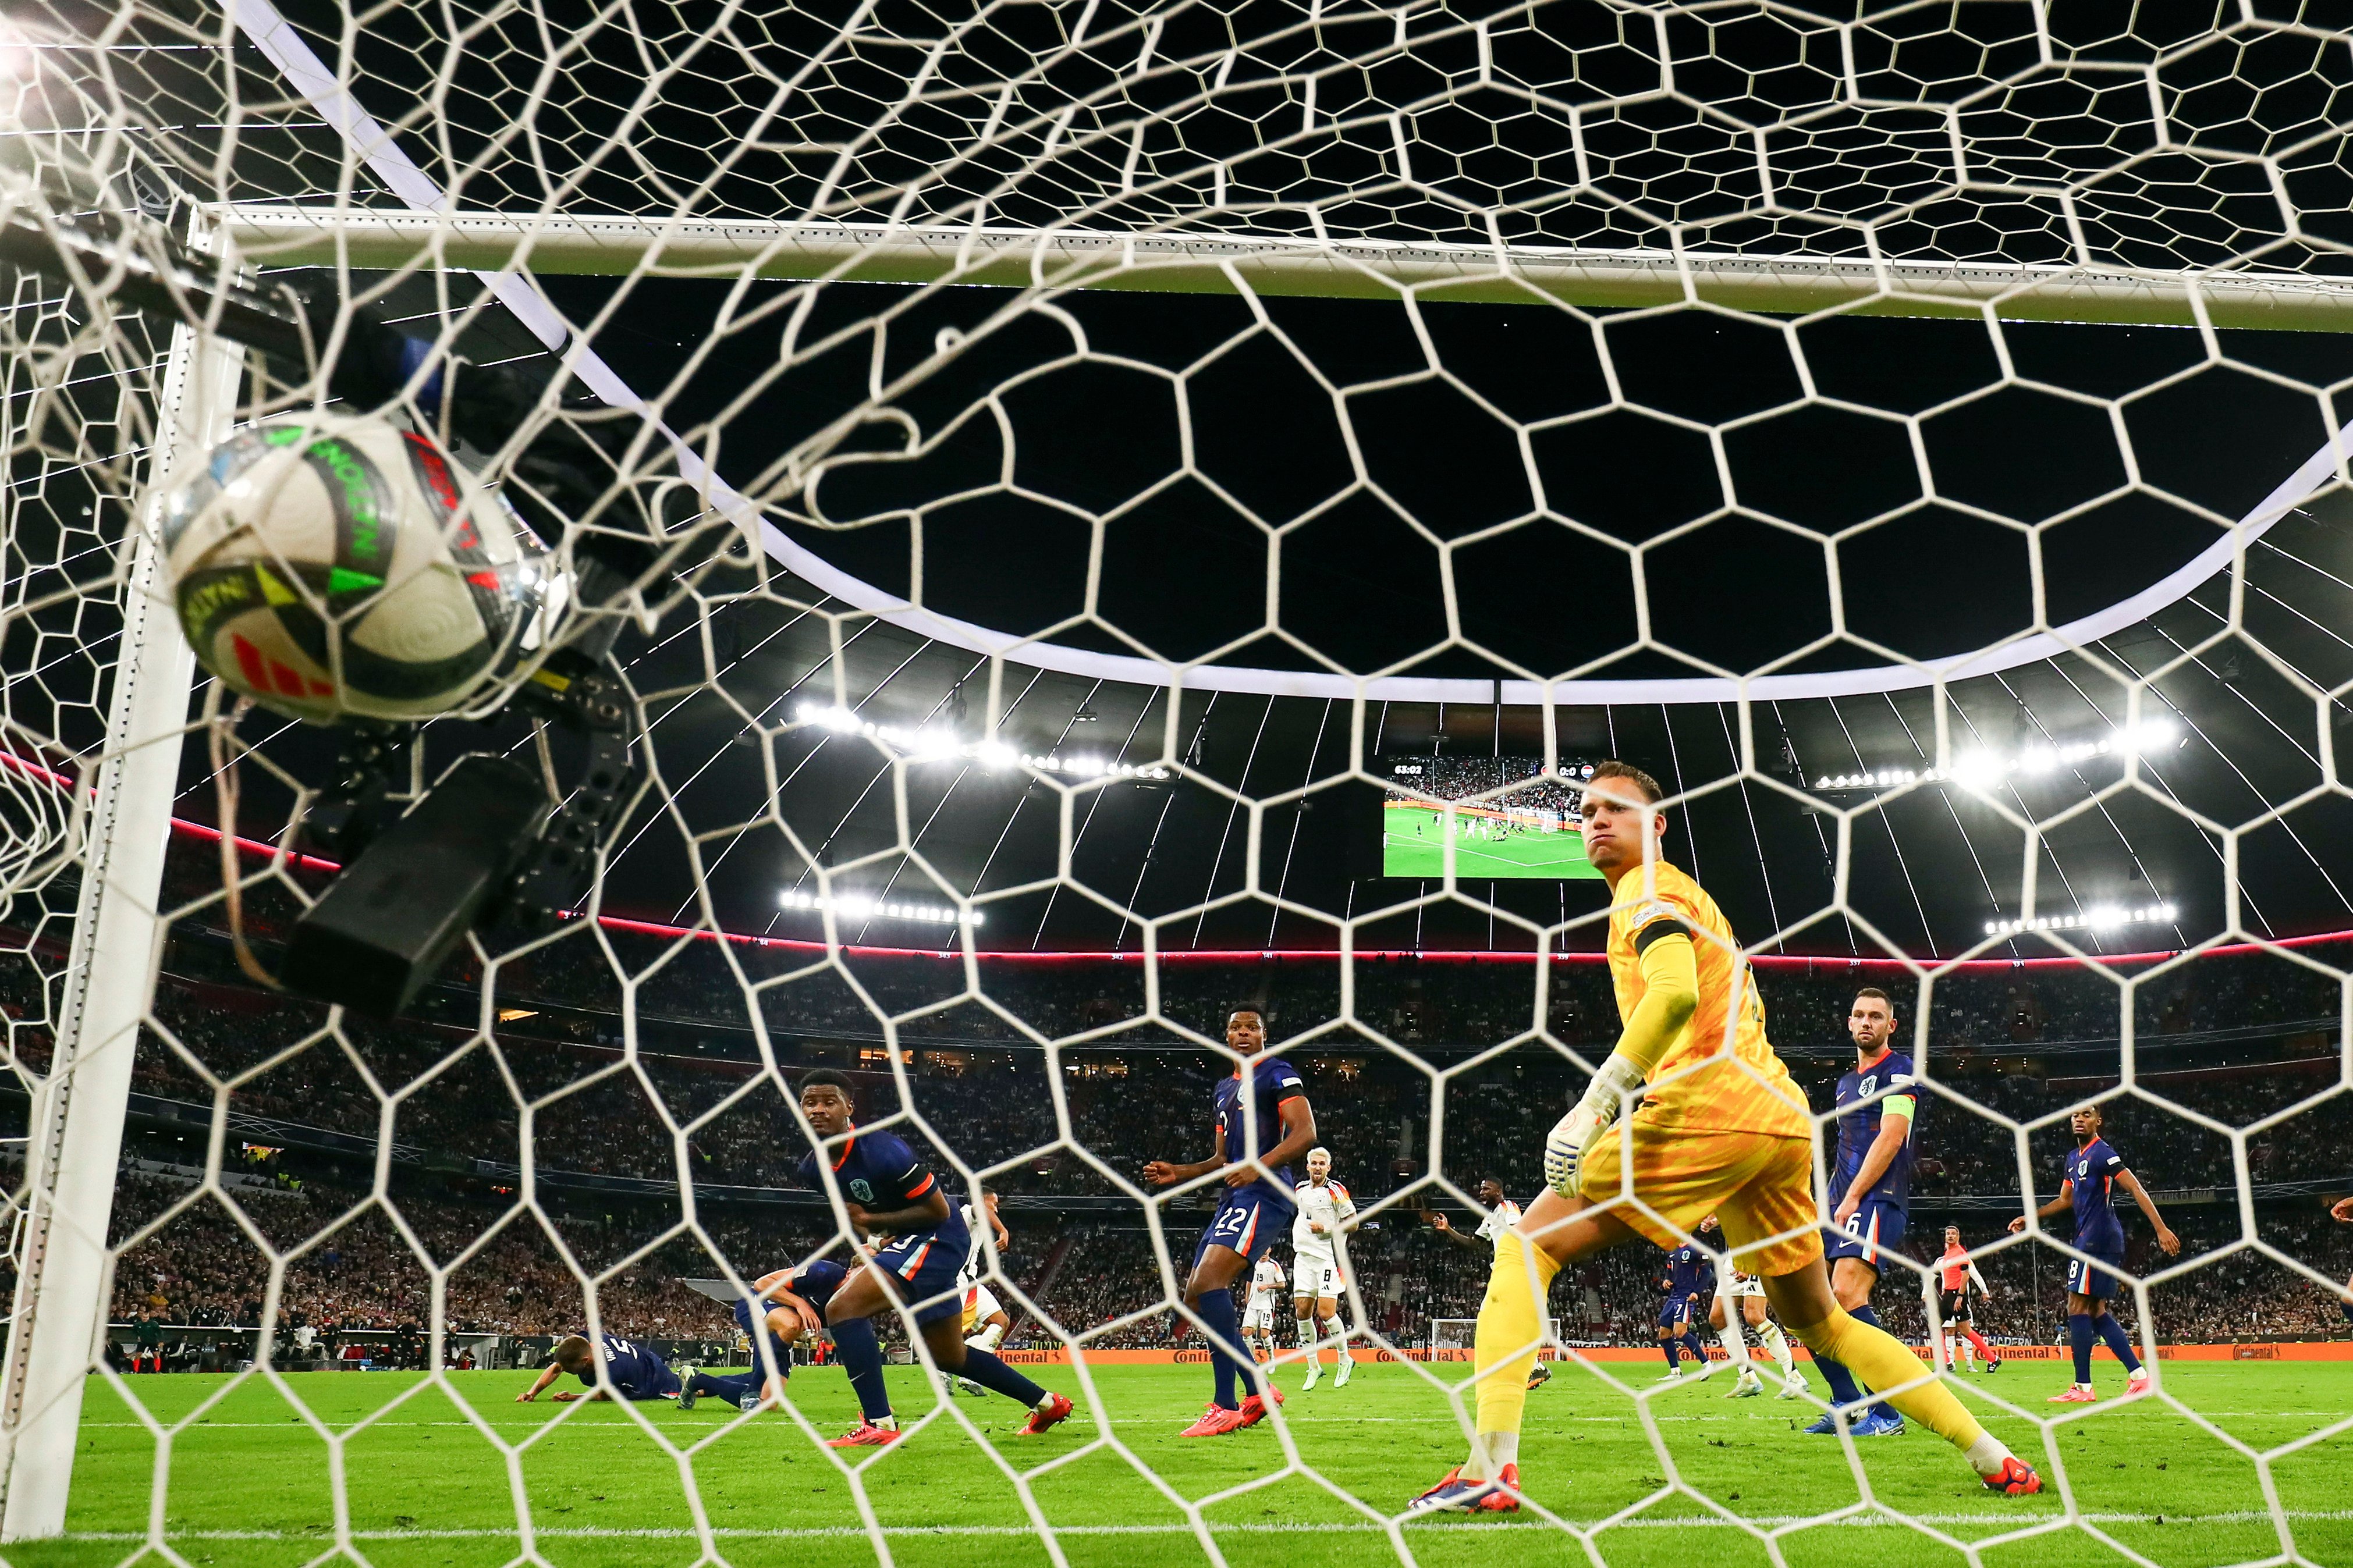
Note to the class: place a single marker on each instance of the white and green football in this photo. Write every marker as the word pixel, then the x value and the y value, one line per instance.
pixel 335 568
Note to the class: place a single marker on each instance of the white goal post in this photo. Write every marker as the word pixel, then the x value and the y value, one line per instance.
pixel 1463 1334
pixel 1335 269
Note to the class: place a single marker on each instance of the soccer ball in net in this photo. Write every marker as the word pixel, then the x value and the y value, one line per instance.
pixel 344 569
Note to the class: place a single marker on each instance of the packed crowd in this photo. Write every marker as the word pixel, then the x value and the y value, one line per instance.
pixel 2017 1046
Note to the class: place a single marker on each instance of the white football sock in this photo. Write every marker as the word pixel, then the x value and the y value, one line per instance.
pixel 1489 1452
pixel 986 1340
pixel 1987 1454
pixel 1736 1346
pixel 1776 1346
pixel 1307 1339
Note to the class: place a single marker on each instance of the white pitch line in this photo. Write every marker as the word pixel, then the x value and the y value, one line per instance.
pixel 912 1532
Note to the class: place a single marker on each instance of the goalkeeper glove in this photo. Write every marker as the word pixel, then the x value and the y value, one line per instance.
pixel 1564 1147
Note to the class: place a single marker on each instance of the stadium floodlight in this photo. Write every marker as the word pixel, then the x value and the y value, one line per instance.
pixel 865 906
pixel 931 745
pixel 1978 770
pixel 2099 917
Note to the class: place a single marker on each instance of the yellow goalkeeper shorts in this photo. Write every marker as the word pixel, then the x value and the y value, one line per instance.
pixel 1756 1184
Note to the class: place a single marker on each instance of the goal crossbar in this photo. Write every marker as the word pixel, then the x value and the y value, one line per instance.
pixel 1269 264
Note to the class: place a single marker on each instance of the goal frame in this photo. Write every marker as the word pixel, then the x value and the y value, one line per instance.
pixel 64 1279
pixel 1176 262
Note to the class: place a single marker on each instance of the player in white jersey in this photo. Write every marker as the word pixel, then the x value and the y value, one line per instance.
pixel 1749 1291
pixel 985 1322
pixel 1503 1214
pixel 1326 1213
pixel 1267 1281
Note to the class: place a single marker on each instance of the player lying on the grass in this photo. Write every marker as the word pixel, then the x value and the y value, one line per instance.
pixel 1871 1180
pixel 1267 1282
pixel 886 1193
pixel 611 1366
pixel 1326 1214
pixel 1501 1214
pixel 1958 1282
pixel 1749 1291
pixel 1722 1131
pixel 2092 1173
pixel 1679 1286
pixel 1262 1122
pixel 785 1308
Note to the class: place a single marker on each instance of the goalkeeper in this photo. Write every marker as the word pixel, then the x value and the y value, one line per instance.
pixel 1722 1131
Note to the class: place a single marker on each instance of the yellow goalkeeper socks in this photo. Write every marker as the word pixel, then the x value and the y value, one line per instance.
pixel 1880 1362
pixel 1510 1327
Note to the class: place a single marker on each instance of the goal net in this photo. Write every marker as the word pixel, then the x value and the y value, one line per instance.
pixel 1066 524
pixel 1459 1334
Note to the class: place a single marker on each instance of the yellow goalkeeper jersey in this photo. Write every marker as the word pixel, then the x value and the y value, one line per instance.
pixel 1718 1096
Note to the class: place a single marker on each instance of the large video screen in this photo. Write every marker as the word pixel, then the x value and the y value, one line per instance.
pixel 1529 830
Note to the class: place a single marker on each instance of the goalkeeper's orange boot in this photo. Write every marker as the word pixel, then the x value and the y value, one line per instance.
pixel 2015 1479
pixel 1455 1495
pixel 1053 1412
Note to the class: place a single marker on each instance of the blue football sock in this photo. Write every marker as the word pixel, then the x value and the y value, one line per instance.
pixel 1690 1343
pixel 2112 1334
pixel 2346 1307
pixel 1675 1362
pixel 734 1389
pixel 985 1368
pixel 1843 1388
pixel 861 1357
pixel 1863 1314
pixel 1224 1325
pixel 2079 1335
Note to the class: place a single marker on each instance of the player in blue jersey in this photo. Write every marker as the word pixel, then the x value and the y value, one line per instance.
pixel 1689 1273
pixel 2093 1173
pixel 611 1366
pixel 914 1242
pixel 1263 1123
pixel 784 1309
pixel 1871 1185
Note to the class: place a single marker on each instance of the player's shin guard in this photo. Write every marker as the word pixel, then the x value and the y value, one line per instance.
pixel 2112 1334
pixel 1882 1361
pixel 861 1358
pixel 1510 1327
pixel 2079 1338
pixel 1307 1339
pixel 1226 1356
pixel 985 1369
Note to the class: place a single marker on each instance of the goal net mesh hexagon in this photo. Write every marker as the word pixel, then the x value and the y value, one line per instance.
pixel 1151 434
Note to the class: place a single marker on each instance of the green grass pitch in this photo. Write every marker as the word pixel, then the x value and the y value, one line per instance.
pixel 1413 844
pixel 249 1478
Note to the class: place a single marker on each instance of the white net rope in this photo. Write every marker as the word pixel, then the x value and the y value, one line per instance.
pixel 2056 611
